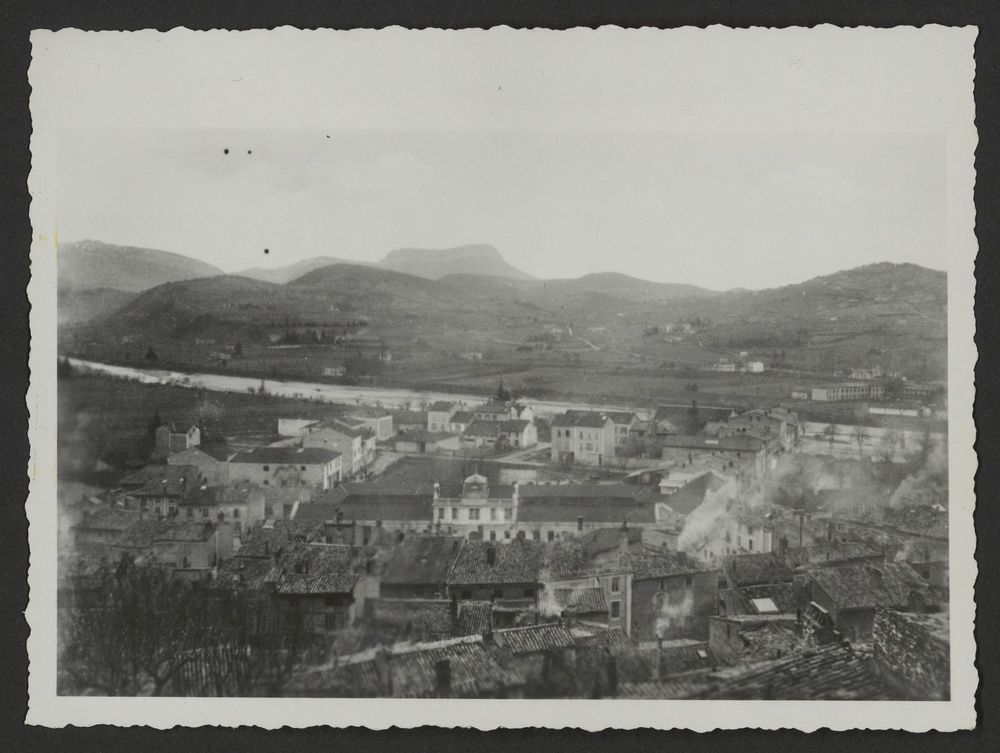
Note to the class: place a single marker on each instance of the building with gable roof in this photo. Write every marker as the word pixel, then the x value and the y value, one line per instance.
pixel 315 467
pixel 850 594
pixel 584 437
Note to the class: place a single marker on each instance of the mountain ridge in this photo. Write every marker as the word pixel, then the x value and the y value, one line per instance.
pixel 90 264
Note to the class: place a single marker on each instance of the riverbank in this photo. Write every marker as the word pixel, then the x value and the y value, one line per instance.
pixel 384 397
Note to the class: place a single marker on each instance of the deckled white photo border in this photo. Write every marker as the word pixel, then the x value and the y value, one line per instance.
pixel 857 80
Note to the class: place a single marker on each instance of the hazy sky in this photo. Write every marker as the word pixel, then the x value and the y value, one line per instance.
pixel 564 173
pixel 714 210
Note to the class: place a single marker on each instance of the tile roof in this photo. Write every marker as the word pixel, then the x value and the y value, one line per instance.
pixel 148 531
pixel 248 572
pixel 612 638
pixel 650 564
pixel 535 638
pixel 441 406
pixel 463 417
pixel 475 673
pixel 595 503
pixel 827 673
pixel 689 497
pixel 157 473
pixel 752 569
pixel 678 688
pixel 608 539
pixel 285 455
pixel 421 559
pixel 583 491
pixel 429 615
pixel 323 583
pixel 579 601
pixel 369 502
pixel 264 540
pixel 474 617
pixel 109 519
pixel 484 428
pixel 618 416
pixel 862 586
pixel 584 419
pixel 517 562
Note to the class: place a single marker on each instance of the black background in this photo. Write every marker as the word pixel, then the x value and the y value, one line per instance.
pixel 16 21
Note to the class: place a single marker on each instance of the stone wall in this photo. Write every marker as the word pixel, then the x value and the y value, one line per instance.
pixel 912 652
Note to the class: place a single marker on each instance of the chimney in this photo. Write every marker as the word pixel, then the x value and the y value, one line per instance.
pixel 383 669
pixel 442 677
pixel 491 555
pixel 623 540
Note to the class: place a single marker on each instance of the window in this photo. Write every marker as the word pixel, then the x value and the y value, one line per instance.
pixel 508 513
pixel 493 535
pixel 473 513
pixel 266 467
pixel 204 512
pixel 266 482
pixel 441 513
pixel 750 544
pixel 551 535
pixel 506 534
pixel 236 513
pixel 190 512
pixel 616 584
pixel 493 513
pixel 303 467
pixel 689 581
pixel 536 535
pixel 268 511
pixel 616 609
pixel 454 513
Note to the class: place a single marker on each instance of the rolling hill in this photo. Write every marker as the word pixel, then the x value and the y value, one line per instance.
pixel 882 313
pixel 89 264
pixel 435 263
pixel 282 275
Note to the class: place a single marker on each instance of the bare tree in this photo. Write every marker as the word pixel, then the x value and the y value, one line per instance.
pixel 147 633
pixel 830 434
pixel 131 641
pixel 860 435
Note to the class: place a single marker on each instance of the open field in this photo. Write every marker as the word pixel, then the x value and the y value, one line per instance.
pixel 108 418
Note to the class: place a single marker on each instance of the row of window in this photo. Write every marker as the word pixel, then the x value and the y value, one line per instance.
pixel 508 513
pixel 580 434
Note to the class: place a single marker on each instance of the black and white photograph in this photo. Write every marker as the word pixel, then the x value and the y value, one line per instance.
pixel 533 369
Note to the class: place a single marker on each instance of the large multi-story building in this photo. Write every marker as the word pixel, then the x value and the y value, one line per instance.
pixel 286 466
pixel 588 438
pixel 847 391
